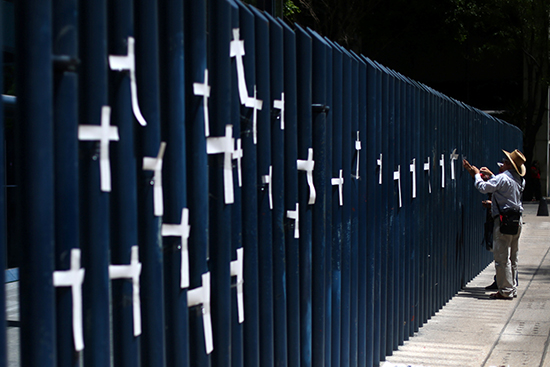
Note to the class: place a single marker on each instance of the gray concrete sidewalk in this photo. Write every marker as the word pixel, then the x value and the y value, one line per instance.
pixel 473 330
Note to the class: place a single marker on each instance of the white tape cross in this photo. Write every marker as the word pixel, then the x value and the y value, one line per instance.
pixel 238 155
pixel 155 164
pixel 397 177
pixel 237 51
pixel 295 214
pixel 340 183
pixel 224 145
pixel 203 89
pixel 128 62
pixel 132 271
pixel 201 296
pixel 358 149
pixel 280 104
pixel 237 269
pixel 181 230
pixel 308 166
pixel 256 104
pixel 104 134
pixel 412 168
pixel 427 169
pixel 379 164
pixel 74 277
pixel 442 165
pixel 268 180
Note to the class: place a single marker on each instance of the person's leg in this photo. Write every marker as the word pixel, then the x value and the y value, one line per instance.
pixel 514 250
pixel 503 265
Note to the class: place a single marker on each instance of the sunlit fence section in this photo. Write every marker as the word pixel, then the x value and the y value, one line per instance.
pixel 201 184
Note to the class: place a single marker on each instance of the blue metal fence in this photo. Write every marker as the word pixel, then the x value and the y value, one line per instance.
pixel 199 183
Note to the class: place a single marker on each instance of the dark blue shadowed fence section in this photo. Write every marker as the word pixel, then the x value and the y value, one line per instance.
pixel 200 183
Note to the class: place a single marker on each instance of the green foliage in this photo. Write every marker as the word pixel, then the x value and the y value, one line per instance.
pixel 290 9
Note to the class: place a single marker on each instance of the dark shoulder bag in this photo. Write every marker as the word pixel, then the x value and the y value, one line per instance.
pixel 509 220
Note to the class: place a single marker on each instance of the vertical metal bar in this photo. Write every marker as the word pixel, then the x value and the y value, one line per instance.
pixel 363 219
pixel 66 165
pixel 197 183
pixel 336 225
pixel 149 138
pixel 304 98
pixel 172 57
pixel 3 223
pixel 219 62
pixel 94 203
pixel 265 219
pixel 279 213
pixel 36 178
pixel 291 197
pixel 328 211
pixel 251 328
pixel 371 178
pixel 124 219
pixel 346 212
pixel 353 199
pixel 237 336
pixel 320 111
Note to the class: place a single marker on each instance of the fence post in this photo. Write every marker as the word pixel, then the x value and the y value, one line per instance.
pixel 124 217
pixel 306 189
pixel 65 51
pixel 3 223
pixel 36 178
pixel 278 117
pixel 149 207
pixel 336 209
pixel 320 175
pixel 293 228
pixel 174 124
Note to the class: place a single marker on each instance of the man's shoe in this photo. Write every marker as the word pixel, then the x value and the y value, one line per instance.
pixel 497 295
pixel 492 286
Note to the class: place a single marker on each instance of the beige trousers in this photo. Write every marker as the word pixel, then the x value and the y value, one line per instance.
pixel 505 252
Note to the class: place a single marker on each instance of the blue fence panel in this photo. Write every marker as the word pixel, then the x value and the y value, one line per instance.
pixel 314 209
pixel 293 228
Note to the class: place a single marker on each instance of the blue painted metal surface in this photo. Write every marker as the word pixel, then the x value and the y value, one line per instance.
pixel 124 219
pixel 326 282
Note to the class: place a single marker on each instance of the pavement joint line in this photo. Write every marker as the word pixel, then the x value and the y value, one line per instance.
pixel 512 315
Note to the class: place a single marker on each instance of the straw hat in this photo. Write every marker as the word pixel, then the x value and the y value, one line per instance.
pixel 518 161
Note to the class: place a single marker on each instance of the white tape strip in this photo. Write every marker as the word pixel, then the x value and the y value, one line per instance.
pixel 238 155
pixel 268 179
pixel 256 105
pixel 237 269
pixel 201 296
pixel 427 168
pixel 442 165
pixel 155 165
pixel 358 149
pixel 128 62
pixel 295 214
pixel 280 104
pixel 340 183
pixel 236 49
pixel 379 164
pixel 454 157
pixel 132 271
pixel 181 230
pixel 224 145
pixel 397 177
pixel 104 134
pixel 308 166
pixel 203 89
pixel 74 277
pixel 413 175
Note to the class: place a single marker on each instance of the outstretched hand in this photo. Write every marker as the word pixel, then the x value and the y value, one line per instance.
pixel 472 170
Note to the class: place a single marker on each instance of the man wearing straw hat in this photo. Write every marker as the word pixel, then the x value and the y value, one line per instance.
pixel 506 189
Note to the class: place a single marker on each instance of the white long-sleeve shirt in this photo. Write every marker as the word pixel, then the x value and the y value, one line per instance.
pixel 506 188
